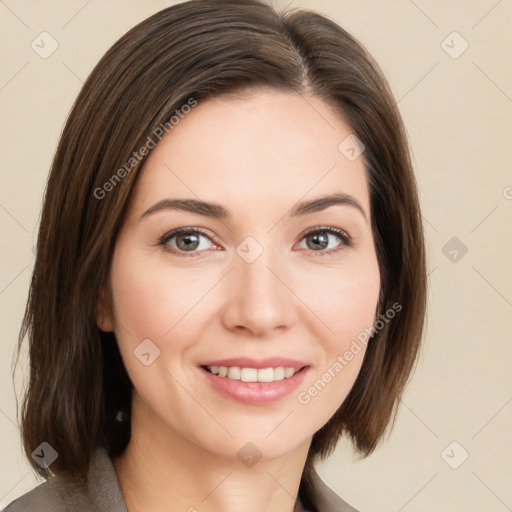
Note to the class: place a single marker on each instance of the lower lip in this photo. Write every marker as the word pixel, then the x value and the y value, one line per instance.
pixel 255 393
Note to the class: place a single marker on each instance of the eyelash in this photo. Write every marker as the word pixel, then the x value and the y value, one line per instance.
pixel 342 235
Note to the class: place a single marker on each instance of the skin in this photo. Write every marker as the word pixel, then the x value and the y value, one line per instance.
pixel 257 156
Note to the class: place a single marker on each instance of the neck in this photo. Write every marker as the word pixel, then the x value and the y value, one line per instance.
pixel 161 470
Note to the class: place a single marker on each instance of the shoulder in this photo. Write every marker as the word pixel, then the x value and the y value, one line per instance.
pixel 45 497
pixel 58 494
pixel 325 499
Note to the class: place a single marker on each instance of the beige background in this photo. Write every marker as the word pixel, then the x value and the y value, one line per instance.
pixel 458 113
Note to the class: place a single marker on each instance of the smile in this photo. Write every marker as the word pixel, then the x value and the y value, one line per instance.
pixel 253 374
pixel 254 382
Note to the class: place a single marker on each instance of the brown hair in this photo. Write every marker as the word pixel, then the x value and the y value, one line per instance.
pixel 202 49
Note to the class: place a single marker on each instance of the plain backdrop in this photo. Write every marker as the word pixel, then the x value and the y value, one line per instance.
pixel 450 69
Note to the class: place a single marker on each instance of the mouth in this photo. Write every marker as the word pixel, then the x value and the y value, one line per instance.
pixel 254 382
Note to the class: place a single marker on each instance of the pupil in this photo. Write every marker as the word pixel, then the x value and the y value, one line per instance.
pixel 321 240
pixel 189 241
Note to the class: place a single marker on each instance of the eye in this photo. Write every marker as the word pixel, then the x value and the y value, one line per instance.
pixel 185 240
pixel 317 239
pixel 189 240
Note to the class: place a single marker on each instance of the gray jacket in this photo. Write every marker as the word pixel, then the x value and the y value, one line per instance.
pixel 104 493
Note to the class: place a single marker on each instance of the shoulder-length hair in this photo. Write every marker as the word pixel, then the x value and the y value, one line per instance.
pixel 202 49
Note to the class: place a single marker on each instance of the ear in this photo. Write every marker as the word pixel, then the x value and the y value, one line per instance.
pixel 104 317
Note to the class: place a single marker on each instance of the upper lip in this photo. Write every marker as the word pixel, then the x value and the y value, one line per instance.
pixel 248 362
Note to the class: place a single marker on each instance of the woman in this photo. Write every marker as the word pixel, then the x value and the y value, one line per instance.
pixel 230 268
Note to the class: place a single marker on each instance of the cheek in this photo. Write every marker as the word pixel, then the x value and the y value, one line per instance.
pixel 345 304
pixel 150 300
pixel 345 300
pixel 357 306
pixel 348 310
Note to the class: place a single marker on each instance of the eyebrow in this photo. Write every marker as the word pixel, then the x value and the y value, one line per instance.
pixel 217 211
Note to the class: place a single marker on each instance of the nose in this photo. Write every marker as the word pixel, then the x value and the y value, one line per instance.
pixel 260 298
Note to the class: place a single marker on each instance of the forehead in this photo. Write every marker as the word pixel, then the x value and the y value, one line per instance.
pixel 250 152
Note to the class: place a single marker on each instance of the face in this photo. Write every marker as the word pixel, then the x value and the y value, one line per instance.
pixel 259 281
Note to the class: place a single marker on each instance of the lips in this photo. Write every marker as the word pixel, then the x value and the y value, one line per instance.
pixel 254 393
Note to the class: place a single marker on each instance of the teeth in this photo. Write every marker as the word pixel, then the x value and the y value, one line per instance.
pixel 252 374
pixel 279 373
pixel 234 373
pixel 249 374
